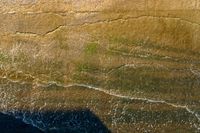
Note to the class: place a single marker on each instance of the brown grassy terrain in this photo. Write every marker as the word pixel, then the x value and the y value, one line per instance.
pixel 142 49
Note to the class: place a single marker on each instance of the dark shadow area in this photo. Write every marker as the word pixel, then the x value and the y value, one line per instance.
pixel 71 121
pixel 9 124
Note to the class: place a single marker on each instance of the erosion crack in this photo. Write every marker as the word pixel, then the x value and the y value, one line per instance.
pixel 110 21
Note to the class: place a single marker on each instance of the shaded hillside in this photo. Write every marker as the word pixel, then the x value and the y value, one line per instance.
pixel 8 124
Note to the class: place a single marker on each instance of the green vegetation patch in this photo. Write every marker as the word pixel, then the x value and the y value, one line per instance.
pixel 87 67
pixel 4 57
pixel 91 48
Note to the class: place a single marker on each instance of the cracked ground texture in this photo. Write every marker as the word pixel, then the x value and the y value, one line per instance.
pixel 134 63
